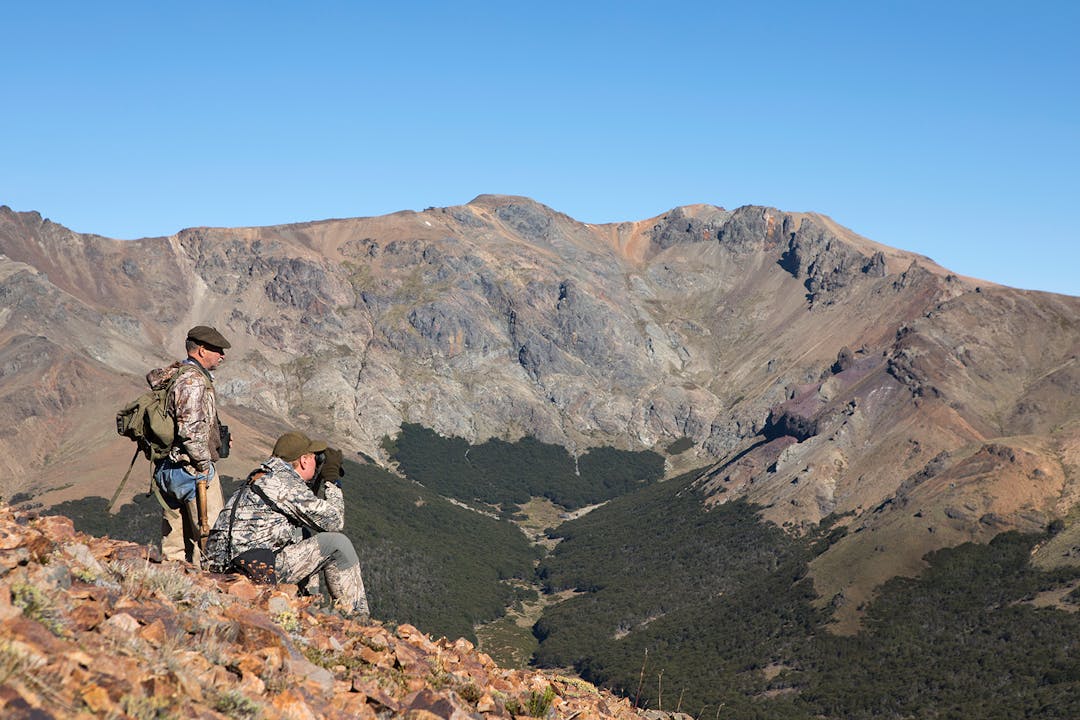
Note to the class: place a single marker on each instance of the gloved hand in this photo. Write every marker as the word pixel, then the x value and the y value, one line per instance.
pixel 331 471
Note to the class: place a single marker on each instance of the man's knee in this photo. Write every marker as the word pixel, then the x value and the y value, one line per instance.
pixel 338 547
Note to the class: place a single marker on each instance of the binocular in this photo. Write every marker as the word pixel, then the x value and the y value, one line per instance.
pixel 226 440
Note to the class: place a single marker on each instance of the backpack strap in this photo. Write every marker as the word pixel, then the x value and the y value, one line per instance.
pixel 191 363
pixel 181 368
pixel 232 519
pixel 188 362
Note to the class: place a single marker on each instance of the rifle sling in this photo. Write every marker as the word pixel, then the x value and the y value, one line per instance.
pixel 112 502
pixel 249 485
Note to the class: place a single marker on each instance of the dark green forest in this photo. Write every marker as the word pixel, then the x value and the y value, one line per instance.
pixel 428 562
pixel 501 473
pixel 702 597
pixel 961 641
pixel 694 611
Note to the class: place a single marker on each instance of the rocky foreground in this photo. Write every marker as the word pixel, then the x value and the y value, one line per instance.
pixel 92 627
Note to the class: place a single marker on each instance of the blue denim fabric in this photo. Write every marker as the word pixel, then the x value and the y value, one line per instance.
pixel 177 486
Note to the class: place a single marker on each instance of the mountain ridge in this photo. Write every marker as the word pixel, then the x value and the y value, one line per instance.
pixel 818 370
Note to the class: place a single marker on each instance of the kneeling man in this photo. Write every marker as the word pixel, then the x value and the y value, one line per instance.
pixel 260 531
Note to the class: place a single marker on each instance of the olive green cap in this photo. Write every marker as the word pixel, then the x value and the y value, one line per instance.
pixel 292 445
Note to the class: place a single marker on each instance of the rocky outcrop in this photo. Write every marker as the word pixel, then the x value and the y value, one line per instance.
pixel 900 444
pixel 756 228
pixel 825 263
pixel 93 627
pixel 679 227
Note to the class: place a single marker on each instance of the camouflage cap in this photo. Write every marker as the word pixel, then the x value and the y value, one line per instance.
pixel 292 445
pixel 206 335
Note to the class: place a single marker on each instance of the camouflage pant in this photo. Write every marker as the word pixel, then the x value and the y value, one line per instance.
pixel 334 554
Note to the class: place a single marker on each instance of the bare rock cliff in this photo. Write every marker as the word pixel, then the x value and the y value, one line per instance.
pixel 497 318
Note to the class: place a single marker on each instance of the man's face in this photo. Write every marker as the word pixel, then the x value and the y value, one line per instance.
pixel 209 356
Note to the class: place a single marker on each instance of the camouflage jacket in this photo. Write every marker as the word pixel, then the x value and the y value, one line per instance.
pixel 194 405
pixel 270 511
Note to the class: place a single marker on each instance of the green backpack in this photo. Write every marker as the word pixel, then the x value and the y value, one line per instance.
pixel 147 421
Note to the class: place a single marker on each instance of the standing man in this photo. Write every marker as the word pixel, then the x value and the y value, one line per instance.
pixel 261 530
pixel 186 481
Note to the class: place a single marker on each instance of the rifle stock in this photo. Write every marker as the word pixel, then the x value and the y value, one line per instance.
pixel 204 525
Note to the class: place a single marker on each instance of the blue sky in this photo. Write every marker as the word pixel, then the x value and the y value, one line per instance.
pixel 950 129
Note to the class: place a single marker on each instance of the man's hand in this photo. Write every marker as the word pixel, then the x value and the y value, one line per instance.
pixel 331 471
